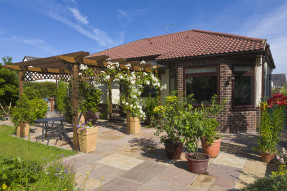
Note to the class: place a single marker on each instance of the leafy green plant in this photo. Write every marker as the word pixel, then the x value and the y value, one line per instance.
pixel 20 174
pixel 199 123
pixel 271 122
pixel 28 110
pixel 62 96
pixel 8 83
pixel 149 104
pixel 40 89
pixel 168 118
pixel 273 182
pixel 89 97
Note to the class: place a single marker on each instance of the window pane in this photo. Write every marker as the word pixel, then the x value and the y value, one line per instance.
pixel 203 88
pixel 149 92
pixel 242 68
pixel 172 85
pixel 243 90
pixel 200 70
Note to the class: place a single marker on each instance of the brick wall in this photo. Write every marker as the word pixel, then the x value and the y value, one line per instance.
pixel 232 121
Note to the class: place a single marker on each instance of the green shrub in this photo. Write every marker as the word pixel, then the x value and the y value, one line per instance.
pixel 40 89
pixel 269 183
pixel 62 96
pixel 19 174
pixel 150 103
pixel 28 110
pixel 89 97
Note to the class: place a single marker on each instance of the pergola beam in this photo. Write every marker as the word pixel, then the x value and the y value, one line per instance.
pixel 39 70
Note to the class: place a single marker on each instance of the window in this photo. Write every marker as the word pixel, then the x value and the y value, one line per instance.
pixel 243 87
pixel 202 83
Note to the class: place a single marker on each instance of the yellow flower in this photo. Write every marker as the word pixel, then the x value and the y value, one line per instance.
pixel 171 98
pixel 102 178
pixel 4 186
pixel 88 172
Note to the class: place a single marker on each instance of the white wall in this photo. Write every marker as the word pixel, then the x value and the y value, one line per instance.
pixel 258 80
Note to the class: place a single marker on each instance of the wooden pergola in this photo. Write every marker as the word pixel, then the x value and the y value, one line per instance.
pixel 66 67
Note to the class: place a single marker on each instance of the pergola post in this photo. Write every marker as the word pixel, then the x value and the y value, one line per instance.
pixel 74 82
pixel 110 106
pixel 21 82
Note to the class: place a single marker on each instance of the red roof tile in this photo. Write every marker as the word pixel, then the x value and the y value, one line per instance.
pixel 185 44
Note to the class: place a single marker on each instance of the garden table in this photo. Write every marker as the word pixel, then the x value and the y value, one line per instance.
pixel 46 126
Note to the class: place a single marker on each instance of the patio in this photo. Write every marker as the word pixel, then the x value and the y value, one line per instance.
pixel 138 162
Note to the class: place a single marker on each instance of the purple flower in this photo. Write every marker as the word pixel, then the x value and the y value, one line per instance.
pixel 56 174
pixel 78 126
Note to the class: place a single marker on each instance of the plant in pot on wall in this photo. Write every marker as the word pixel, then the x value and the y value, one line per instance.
pixel 271 124
pixel 87 133
pixel 27 111
pixel 210 140
pixel 168 120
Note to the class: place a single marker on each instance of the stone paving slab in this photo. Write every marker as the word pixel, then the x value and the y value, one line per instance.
pixel 121 184
pixel 229 160
pixel 223 171
pixel 144 172
pixel 159 184
pixel 177 176
pixel 121 161
pixel 105 173
pixel 201 183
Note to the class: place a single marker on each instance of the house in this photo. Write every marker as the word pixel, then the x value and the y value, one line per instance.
pixel 278 80
pixel 204 63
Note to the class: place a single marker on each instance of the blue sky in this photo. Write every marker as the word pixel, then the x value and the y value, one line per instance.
pixel 48 27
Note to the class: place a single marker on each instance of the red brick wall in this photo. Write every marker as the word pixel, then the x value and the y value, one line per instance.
pixel 232 121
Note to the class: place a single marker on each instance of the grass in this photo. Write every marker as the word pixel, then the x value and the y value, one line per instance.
pixel 13 147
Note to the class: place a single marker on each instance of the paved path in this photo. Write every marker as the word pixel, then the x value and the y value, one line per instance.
pixel 138 162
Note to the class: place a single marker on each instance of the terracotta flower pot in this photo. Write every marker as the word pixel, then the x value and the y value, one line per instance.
pixel 88 139
pixel 133 125
pixel 266 156
pixel 173 150
pixel 211 149
pixel 22 129
pixel 198 166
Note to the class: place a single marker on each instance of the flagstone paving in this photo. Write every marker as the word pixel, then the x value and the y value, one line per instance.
pixel 138 162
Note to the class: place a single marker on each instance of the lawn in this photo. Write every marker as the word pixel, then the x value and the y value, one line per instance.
pixel 13 146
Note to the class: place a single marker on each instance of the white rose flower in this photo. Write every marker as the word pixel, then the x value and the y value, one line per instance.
pixel 154 67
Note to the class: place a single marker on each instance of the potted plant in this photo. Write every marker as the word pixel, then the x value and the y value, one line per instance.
pixel 271 124
pixel 87 134
pixel 210 141
pixel 27 111
pixel 167 119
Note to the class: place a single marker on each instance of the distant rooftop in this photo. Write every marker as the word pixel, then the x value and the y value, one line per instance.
pixel 28 58
pixel 278 79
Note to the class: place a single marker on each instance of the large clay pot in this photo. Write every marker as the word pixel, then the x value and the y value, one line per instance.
pixel 173 150
pixel 88 139
pixel 211 149
pixel 196 165
pixel 22 129
pixel 266 156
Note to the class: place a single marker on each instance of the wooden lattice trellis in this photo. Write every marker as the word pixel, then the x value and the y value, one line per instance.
pixel 33 76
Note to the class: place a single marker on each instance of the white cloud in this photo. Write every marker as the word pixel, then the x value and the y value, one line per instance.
pixel 271 26
pixel 123 14
pixel 38 43
pixel 77 15
pixel 61 13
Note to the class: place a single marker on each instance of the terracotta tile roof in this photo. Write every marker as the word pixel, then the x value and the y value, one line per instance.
pixel 189 43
